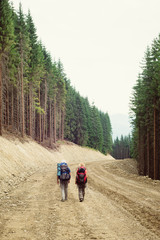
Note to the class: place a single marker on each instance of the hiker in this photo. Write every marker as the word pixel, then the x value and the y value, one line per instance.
pixel 81 180
pixel 63 177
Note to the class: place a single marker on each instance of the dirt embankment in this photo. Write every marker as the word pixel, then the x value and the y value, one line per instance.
pixel 118 204
pixel 21 158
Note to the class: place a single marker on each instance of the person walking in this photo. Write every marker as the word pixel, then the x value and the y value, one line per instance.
pixel 63 177
pixel 81 181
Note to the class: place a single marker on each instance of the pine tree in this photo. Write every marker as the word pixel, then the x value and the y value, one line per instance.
pixel 60 99
pixel 96 136
pixel 22 46
pixel 107 131
pixel 70 116
pixel 121 147
pixel 50 95
pixel 6 40
pixel 38 99
pixel 81 122
pixel 34 73
pixel 145 105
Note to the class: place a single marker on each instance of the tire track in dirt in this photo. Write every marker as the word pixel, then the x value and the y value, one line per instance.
pixel 112 209
pixel 72 216
pixel 146 216
pixel 31 210
pixel 35 212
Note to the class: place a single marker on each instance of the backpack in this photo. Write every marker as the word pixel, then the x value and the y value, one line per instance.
pixel 81 176
pixel 65 176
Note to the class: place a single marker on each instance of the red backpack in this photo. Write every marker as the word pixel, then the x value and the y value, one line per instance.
pixel 81 175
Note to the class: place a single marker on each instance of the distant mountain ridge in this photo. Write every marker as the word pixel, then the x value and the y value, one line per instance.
pixel 120 125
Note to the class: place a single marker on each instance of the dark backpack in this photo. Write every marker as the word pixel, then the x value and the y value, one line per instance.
pixel 65 176
pixel 81 175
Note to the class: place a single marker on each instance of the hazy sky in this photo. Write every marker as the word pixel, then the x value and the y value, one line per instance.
pixel 100 43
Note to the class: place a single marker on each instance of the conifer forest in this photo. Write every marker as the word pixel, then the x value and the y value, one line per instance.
pixel 38 100
pixel 145 113
pixel 36 97
pixel 121 148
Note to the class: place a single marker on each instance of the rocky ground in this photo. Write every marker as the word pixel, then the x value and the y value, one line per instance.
pixel 118 205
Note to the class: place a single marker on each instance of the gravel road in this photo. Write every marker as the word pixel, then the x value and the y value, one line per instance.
pixel 118 205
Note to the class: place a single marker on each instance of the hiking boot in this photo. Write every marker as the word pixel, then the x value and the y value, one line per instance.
pixel 62 200
pixel 81 200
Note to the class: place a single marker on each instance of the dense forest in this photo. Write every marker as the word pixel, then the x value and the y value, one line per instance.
pixel 36 97
pixel 145 106
pixel 122 148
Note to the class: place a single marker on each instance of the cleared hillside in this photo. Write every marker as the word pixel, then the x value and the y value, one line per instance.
pixel 20 158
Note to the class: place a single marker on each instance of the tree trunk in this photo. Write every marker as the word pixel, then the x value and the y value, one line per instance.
pixel 39 116
pixel 155 141
pixel 158 137
pixel 22 94
pixel 148 151
pixel 50 125
pixel 7 106
pixel 34 124
pixel 0 97
pixel 12 111
pixel 18 89
pixel 141 151
pixel 55 121
pixel 30 109
pixel 45 112
pixel 62 124
pixel 27 113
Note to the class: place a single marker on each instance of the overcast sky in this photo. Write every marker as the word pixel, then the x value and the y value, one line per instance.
pixel 100 43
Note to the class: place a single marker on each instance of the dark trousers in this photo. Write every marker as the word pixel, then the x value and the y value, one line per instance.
pixel 81 191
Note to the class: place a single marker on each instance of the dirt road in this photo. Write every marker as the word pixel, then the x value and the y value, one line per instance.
pixel 118 205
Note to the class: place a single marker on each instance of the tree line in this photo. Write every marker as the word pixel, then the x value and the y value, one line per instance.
pixel 122 148
pixel 36 97
pixel 145 109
